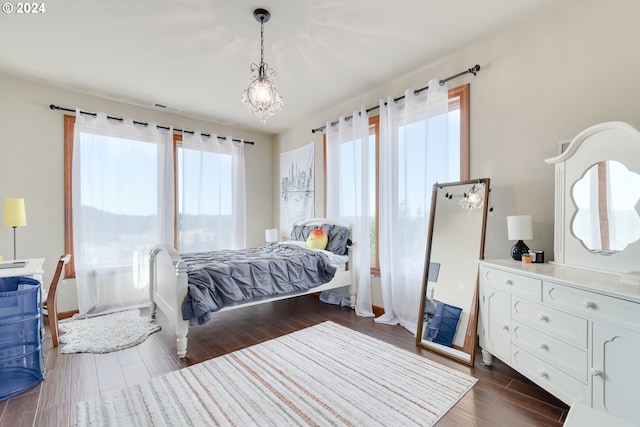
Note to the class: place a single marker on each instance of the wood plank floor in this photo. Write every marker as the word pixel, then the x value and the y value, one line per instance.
pixel 502 397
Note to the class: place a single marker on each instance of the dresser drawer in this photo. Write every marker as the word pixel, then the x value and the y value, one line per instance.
pixel 564 326
pixel 513 283
pixel 558 383
pixel 558 353
pixel 592 305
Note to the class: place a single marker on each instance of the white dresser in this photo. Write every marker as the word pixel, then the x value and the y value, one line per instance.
pixel 574 332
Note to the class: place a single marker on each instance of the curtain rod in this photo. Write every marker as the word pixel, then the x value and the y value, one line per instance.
pixel 56 107
pixel 473 70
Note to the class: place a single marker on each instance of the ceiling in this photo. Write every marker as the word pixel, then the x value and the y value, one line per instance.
pixel 195 55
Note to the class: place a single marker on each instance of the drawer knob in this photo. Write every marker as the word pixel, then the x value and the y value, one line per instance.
pixel 543 374
pixel 508 282
pixel 596 372
pixel 505 327
pixel 543 346
pixel 588 304
pixel 542 317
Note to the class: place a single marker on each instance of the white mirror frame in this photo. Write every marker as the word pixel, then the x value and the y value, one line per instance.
pixel 617 141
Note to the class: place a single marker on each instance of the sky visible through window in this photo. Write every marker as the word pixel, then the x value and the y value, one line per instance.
pixel 412 139
pixel 204 173
pixel 122 170
pixel 126 172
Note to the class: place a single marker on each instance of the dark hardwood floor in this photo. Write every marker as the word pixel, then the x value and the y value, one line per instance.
pixel 501 397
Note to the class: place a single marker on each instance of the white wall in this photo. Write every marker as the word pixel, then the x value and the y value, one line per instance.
pixel 31 167
pixel 541 82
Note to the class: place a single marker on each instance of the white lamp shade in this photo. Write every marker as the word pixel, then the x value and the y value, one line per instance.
pixel 271 235
pixel 519 227
pixel 14 214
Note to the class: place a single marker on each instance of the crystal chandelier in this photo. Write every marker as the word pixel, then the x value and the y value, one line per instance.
pixel 261 97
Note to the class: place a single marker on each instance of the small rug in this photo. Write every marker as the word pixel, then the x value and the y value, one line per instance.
pixel 104 334
pixel 323 375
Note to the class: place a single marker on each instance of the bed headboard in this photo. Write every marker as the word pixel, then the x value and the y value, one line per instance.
pixel 339 235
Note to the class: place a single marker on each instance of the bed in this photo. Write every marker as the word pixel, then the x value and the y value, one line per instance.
pixel 176 281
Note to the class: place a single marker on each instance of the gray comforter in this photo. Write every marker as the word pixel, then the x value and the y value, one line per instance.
pixel 221 278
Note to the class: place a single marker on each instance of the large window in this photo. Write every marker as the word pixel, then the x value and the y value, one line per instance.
pixel 122 192
pixel 204 179
pixel 457 154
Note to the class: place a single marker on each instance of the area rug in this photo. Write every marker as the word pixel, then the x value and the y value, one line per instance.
pixel 104 334
pixel 323 375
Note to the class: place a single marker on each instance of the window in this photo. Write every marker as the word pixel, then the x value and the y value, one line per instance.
pixel 204 180
pixel 458 152
pixel 204 184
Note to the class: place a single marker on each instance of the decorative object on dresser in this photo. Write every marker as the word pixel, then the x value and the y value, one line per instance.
pixel 573 326
pixel 519 227
pixel 190 288
pixel 326 374
pixel 448 316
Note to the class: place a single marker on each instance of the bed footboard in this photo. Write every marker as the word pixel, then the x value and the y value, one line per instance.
pixel 168 288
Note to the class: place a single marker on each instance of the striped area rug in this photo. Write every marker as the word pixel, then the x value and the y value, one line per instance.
pixel 325 375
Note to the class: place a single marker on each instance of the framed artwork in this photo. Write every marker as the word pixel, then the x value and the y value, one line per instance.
pixel 296 187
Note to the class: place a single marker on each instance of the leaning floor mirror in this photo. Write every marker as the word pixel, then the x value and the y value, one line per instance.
pixel 448 316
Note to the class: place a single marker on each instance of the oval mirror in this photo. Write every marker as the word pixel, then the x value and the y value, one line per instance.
pixel 606 220
pixel 449 304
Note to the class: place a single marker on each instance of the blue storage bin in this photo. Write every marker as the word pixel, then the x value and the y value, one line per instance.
pixel 21 358
pixel 443 323
pixel 447 322
pixel 9 284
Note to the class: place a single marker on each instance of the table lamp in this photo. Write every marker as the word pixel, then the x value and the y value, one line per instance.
pixel 519 228
pixel 14 216
pixel 271 235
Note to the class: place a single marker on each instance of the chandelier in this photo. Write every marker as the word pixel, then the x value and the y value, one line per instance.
pixel 261 97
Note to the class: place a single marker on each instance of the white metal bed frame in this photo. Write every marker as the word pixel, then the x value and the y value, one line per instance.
pixel 169 286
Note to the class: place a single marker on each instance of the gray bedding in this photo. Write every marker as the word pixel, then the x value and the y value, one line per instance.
pixel 221 278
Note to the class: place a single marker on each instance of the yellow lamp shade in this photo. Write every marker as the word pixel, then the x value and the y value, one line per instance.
pixel 14 214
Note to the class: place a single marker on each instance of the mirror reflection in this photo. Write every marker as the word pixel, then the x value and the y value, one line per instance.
pixel 449 306
pixel 606 197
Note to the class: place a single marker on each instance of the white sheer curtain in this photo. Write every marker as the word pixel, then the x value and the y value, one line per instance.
pixel 211 193
pixel 122 186
pixel 414 154
pixel 348 194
